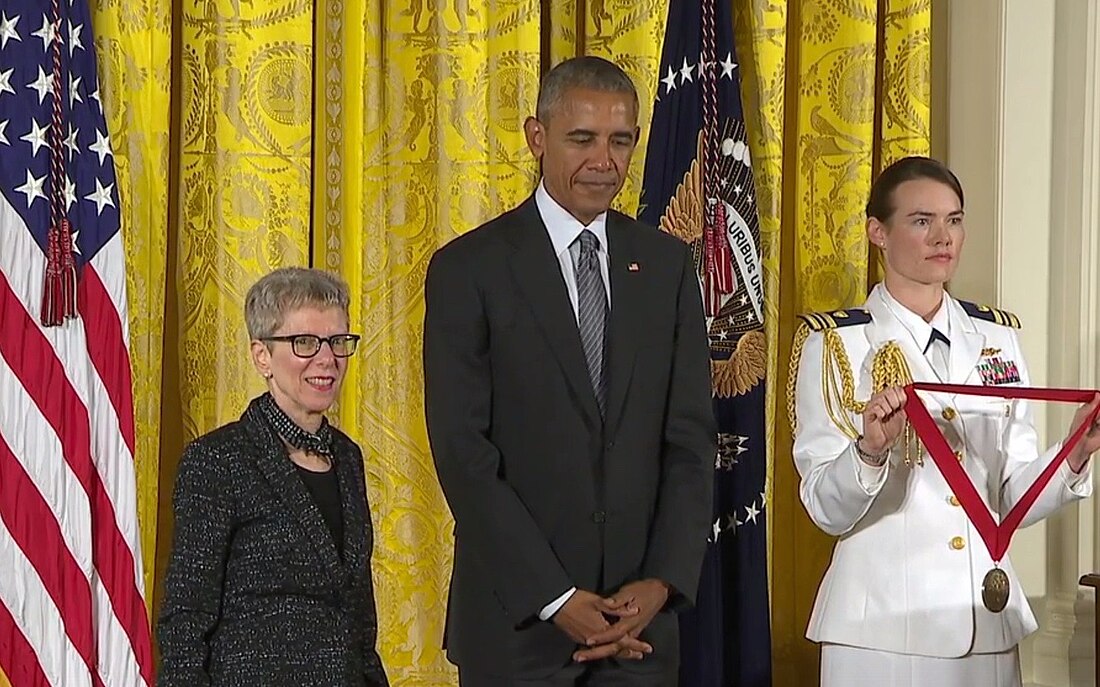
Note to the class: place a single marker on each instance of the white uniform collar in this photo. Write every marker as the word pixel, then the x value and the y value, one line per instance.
pixel 916 325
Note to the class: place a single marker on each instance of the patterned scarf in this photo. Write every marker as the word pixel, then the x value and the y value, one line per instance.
pixel 319 443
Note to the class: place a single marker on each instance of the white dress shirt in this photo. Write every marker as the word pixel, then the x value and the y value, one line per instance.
pixel 564 229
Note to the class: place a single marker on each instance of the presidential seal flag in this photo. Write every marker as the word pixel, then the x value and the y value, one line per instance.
pixel 72 608
pixel 698 186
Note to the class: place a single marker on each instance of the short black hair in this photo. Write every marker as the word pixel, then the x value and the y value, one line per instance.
pixel 880 205
pixel 587 71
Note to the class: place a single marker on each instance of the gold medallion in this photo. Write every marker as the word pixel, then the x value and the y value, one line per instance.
pixel 995 588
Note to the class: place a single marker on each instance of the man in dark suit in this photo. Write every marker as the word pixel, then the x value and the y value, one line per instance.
pixel 567 383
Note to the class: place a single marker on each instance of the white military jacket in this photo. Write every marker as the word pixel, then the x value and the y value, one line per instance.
pixel 907 569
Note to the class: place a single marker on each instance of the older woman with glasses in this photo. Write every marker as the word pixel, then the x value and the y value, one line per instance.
pixel 269 581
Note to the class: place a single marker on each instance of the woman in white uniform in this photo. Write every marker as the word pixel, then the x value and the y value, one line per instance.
pixel 901 603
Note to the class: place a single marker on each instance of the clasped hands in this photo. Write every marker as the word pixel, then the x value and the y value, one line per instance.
pixel 607 627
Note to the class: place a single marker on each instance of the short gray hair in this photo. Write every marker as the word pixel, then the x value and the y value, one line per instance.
pixel 588 71
pixel 286 289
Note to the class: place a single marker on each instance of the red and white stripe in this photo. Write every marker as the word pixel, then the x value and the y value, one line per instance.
pixel 72 609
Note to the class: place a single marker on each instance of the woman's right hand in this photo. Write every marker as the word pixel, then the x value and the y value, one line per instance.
pixel 883 420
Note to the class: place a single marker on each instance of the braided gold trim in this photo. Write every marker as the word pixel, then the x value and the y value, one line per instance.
pixel 800 337
pixel 889 368
pixel 838 384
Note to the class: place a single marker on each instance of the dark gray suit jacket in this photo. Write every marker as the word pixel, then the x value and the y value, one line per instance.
pixel 544 493
pixel 256 593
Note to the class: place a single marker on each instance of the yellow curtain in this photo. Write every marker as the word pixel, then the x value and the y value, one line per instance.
pixel 629 34
pixel 421 124
pixel 835 90
pixel 243 205
pixel 239 207
pixel 133 45
pixel 566 37
pixel 208 206
pixel 760 39
pixel 359 135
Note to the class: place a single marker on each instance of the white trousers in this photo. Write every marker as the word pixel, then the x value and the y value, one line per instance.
pixel 847 666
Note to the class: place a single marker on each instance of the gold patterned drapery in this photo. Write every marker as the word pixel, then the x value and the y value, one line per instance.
pixel 133 45
pixel 239 208
pixel 422 130
pixel 628 33
pixel 359 135
pixel 834 90
pixel 210 112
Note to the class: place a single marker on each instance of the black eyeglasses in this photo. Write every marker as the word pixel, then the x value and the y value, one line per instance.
pixel 308 345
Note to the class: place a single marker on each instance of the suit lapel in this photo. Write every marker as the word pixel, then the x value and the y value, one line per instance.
pixel 272 460
pixel 627 314
pixel 536 271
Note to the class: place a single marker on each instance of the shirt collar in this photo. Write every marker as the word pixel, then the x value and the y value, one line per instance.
pixel 563 227
pixel 942 319
pixel 914 323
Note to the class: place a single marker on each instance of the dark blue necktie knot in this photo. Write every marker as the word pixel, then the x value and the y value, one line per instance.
pixel 937 335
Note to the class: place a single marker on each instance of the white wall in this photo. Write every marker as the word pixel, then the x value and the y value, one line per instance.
pixel 1017 116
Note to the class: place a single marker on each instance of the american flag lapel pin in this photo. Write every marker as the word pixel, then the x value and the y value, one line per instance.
pixel 633 267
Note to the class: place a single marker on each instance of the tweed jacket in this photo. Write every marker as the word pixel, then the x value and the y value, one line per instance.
pixel 256 593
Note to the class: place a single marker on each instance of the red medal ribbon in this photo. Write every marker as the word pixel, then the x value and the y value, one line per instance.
pixel 996 536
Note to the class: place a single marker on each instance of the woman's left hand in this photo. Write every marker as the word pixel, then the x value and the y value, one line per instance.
pixel 1090 442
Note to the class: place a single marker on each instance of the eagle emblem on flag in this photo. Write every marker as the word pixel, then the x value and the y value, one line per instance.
pixel 723 231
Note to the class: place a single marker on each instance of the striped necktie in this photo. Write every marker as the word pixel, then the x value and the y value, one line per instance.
pixel 591 308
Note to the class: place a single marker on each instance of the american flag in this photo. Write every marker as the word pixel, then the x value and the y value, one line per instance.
pixel 72 609
pixel 699 186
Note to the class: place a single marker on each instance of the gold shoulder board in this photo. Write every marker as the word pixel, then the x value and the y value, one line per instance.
pixel 984 312
pixel 820 321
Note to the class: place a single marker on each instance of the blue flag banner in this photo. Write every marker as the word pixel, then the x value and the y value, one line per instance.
pixel 699 186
